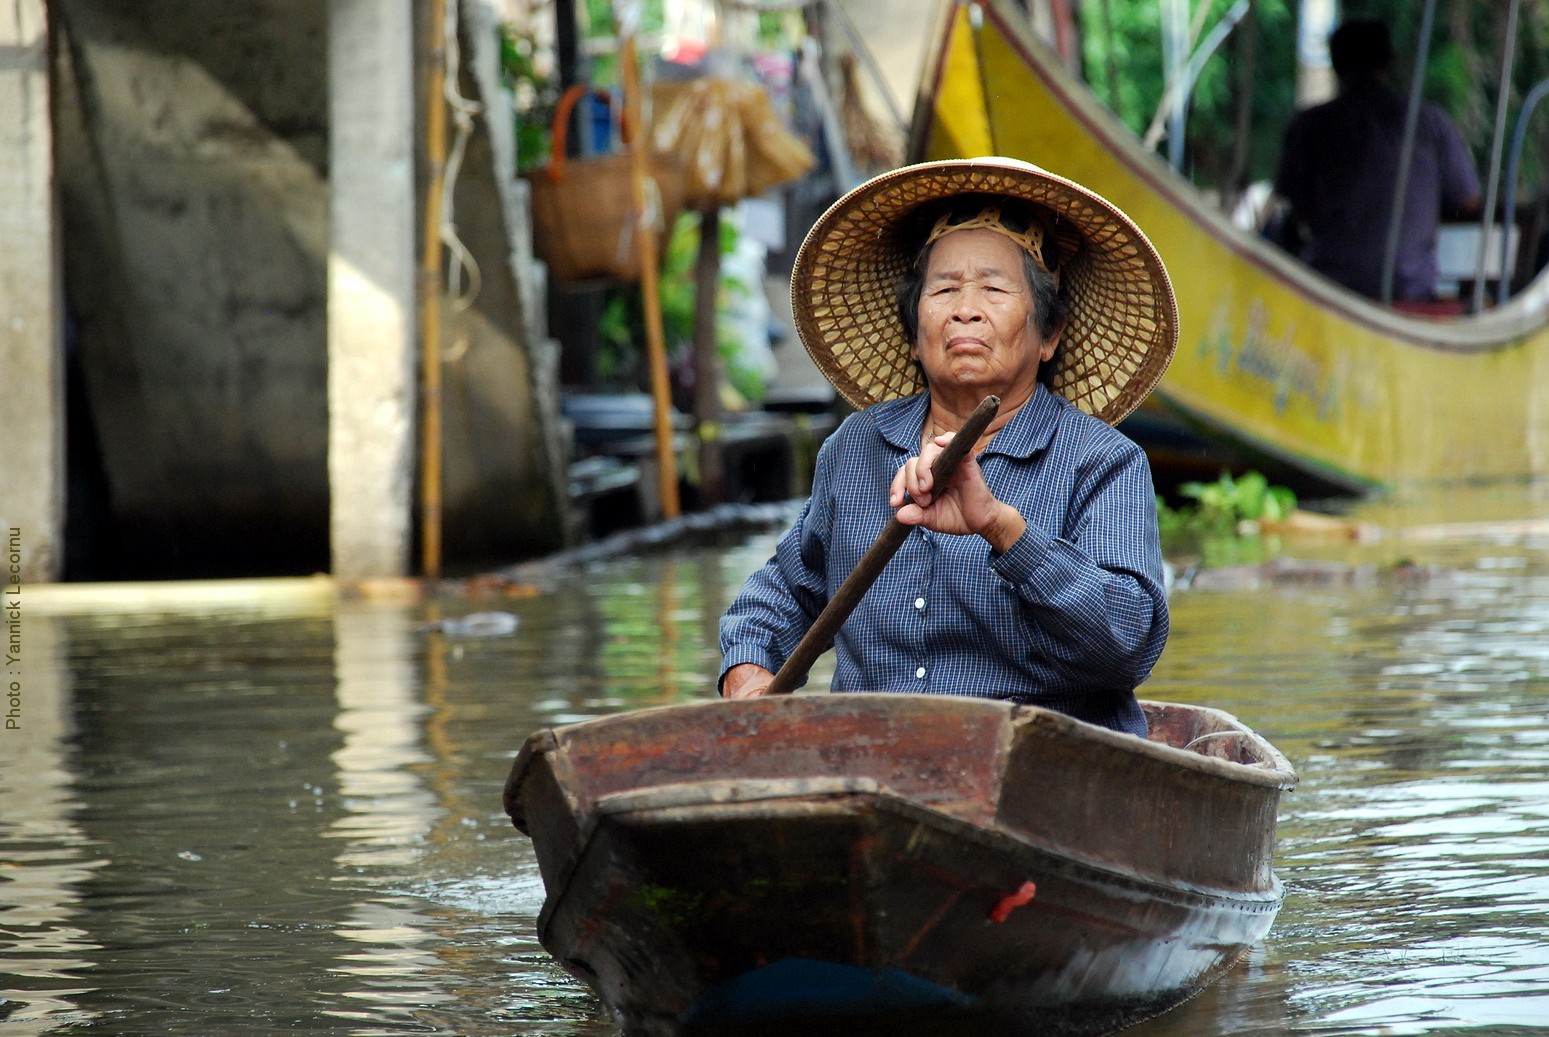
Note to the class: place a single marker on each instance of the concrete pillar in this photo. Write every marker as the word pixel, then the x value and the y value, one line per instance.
pixel 371 283
pixel 1315 82
pixel 31 368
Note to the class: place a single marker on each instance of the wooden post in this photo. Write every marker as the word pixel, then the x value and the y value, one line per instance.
pixel 707 361
pixel 650 280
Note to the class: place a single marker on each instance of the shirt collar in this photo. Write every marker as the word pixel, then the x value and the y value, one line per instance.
pixel 901 422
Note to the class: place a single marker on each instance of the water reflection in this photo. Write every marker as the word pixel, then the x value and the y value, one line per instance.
pixel 1414 851
pixel 44 855
pixel 247 811
pixel 393 970
pixel 387 807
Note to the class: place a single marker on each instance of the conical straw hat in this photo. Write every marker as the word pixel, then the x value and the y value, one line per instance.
pixel 1123 322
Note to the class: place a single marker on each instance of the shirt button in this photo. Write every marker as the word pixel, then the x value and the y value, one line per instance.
pixel 919 603
pixel 920 672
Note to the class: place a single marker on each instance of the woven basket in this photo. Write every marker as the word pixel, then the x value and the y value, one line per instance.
pixel 585 223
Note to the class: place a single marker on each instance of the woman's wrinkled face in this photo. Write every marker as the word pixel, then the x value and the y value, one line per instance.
pixel 977 322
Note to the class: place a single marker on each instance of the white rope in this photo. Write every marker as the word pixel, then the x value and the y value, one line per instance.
pixel 463 110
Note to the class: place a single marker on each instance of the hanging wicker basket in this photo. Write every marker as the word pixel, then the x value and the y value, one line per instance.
pixel 586 225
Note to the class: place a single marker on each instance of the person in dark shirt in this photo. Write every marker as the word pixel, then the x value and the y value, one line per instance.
pixel 1340 164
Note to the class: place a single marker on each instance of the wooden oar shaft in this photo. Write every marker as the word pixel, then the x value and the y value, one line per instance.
pixel 821 634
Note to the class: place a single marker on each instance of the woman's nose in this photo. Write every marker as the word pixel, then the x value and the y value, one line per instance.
pixel 967 305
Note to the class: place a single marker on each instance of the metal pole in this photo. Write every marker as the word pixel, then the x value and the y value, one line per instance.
pixel 1406 152
pixel 1487 216
pixel 1509 217
pixel 1196 65
pixel 1175 47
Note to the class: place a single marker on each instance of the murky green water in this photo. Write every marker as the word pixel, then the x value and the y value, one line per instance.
pixel 245 809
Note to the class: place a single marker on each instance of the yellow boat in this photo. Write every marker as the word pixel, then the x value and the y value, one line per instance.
pixel 1273 359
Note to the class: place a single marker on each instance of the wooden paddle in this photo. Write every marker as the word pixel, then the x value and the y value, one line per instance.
pixel 821 634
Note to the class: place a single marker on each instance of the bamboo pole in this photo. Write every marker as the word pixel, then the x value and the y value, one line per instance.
pixel 650 276
pixel 430 293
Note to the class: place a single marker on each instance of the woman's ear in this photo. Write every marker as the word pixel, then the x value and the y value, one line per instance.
pixel 1050 344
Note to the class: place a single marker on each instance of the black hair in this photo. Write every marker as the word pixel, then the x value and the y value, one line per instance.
pixel 1051 303
pixel 1359 47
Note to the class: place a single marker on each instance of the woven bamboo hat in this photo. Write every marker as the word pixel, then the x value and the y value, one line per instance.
pixel 1123 322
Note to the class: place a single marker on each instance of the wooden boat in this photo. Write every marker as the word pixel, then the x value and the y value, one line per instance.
pixel 898 864
pixel 1274 361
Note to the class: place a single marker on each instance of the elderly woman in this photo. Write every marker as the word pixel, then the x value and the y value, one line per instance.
pixel 1035 575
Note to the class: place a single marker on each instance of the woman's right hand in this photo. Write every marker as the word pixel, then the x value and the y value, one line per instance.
pixel 746 681
pixel 966 505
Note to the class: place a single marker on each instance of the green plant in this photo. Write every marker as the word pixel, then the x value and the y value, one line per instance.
pixel 534 94
pixel 1228 505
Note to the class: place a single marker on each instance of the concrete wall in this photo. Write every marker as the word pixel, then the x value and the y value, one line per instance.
pixel 195 190
pixel 193 175
pixel 31 379
pixel 505 480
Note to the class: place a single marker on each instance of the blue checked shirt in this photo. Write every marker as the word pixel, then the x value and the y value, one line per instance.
pixel 1072 617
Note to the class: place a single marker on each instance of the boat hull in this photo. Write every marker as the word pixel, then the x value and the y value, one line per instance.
pixel 843 907
pixel 778 890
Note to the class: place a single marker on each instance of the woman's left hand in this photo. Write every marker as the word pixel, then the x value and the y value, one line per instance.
pixel 963 506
